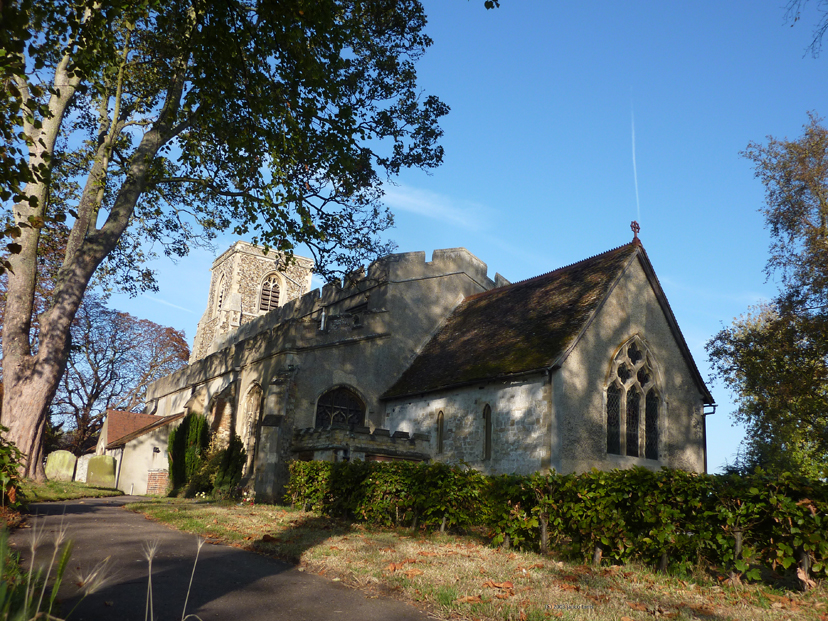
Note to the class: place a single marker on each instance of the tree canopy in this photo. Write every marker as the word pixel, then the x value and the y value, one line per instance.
pixel 150 126
pixel 113 358
pixel 775 358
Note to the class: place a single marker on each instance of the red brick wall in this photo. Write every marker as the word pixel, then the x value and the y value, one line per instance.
pixel 157 481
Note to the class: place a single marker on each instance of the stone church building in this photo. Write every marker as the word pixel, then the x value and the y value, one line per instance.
pixel 581 367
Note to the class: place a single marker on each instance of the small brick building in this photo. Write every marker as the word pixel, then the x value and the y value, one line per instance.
pixel 582 367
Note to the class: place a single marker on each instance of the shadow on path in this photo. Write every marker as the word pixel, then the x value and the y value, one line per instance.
pixel 229 583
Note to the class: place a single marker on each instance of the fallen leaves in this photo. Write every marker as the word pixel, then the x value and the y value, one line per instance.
pixel 803 576
pixel 781 602
pixel 498 585
pixel 506 588
pixel 392 567
pixel 469 599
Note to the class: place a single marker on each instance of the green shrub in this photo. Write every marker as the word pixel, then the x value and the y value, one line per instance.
pixel 679 517
pixel 188 448
pixel 230 466
pixel 10 457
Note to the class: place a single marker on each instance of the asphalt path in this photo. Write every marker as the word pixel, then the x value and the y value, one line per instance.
pixel 229 583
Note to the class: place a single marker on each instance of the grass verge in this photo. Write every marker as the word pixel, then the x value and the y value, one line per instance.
pixel 464 578
pixel 49 491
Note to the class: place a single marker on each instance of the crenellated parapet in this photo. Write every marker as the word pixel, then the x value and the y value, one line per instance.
pixel 394 268
pixel 343 311
pixel 337 443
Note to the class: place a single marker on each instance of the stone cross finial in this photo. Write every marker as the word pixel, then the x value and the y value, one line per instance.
pixel 636 227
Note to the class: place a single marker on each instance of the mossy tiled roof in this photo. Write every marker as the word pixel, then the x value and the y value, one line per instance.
pixel 514 329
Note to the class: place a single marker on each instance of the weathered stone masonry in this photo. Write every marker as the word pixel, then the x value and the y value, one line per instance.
pixel 436 361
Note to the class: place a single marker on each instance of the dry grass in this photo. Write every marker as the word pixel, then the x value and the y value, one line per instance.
pixel 463 578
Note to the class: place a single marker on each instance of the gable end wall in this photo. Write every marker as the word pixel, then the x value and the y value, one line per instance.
pixel 632 308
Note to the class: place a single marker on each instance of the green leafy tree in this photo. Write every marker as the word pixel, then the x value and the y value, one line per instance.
pixel 777 367
pixel 149 125
pixel 775 358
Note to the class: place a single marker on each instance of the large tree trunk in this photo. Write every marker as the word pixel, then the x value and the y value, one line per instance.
pixel 29 387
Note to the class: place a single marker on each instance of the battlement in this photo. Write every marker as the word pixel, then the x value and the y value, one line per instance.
pixel 393 268
pixel 413 265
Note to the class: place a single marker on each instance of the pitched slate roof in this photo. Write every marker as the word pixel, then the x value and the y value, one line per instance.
pixel 158 421
pixel 121 423
pixel 527 326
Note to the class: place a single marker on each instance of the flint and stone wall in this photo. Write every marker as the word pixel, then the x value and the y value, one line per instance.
pixel 237 276
pixel 368 337
pixel 520 412
pixel 364 335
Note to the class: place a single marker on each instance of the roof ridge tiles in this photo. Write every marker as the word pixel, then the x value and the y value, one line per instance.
pixel 636 243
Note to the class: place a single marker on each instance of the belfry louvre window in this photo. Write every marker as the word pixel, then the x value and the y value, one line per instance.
pixel 340 406
pixel 630 389
pixel 270 293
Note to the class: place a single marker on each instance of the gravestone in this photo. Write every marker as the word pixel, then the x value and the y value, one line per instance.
pixel 60 466
pixel 100 471
pixel 81 468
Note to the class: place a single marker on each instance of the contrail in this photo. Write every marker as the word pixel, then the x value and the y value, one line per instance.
pixel 635 170
pixel 165 303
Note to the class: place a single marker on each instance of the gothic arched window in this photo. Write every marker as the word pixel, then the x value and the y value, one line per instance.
pixel 250 431
pixel 340 406
pixel 487 433
pixel 440 423
pixel 632 385
pixel 269 298
pixel 220 293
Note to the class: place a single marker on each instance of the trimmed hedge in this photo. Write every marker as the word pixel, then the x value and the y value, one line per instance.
pixel 667 517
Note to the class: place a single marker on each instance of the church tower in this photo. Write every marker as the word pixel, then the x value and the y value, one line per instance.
pixel 244 284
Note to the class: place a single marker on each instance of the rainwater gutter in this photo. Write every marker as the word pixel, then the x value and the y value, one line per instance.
pixel 704 428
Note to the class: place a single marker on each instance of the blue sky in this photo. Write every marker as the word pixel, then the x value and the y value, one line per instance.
pixel 538 171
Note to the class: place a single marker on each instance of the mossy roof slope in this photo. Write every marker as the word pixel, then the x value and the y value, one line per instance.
pixel 514 329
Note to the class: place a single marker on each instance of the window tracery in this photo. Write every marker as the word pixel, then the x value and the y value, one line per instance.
pixel 340 406
pixel 632 385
